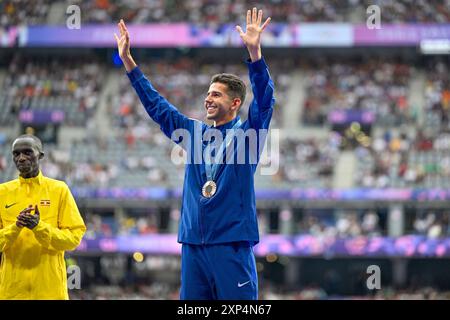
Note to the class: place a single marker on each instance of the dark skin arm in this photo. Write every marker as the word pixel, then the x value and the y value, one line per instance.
pixel 26 219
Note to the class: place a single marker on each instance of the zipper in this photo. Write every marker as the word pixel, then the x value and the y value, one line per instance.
pixel 200 221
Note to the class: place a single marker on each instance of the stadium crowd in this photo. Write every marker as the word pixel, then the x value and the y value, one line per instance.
pixel 374 85
pixel 218 12
pixel 71 85
pixel 408 145
pixel 401 149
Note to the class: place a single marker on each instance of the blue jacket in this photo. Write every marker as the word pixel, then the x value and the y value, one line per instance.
pixel 229 215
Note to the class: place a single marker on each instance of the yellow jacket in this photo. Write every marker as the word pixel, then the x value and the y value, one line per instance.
pixel 32 265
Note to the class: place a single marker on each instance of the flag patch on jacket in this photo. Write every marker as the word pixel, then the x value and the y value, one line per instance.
pixel 45 203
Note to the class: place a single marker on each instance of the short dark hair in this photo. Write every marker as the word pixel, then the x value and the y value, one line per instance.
pixel 36 140
pixel 236 87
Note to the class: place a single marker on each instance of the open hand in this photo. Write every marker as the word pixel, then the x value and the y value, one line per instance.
pixel 252 34
pixel 123 43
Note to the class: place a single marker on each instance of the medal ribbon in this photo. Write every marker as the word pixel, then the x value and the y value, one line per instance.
pixel 211 169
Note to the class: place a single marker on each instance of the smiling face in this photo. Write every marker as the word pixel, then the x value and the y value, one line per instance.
pixel 225 96
pixel 220 107
pixel 26 156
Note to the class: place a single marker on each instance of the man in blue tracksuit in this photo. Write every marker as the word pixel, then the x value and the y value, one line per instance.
pixel 218 226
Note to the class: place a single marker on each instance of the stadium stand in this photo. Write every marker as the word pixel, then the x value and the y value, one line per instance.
pixel 107 143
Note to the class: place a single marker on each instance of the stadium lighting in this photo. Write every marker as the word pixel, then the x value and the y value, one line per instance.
pixel 440 46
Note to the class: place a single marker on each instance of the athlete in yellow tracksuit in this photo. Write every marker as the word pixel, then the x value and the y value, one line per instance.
pixel 39 220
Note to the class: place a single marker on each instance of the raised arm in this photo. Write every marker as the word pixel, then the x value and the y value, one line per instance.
pixel 158 108
pixel 260 110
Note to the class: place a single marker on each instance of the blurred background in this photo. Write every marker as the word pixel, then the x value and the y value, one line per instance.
pixel 364 155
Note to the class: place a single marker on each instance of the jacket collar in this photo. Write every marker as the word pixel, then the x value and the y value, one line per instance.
pixel 227 125
pixel 35 180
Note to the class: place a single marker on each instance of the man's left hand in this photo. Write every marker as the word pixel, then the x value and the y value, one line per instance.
pixel 252 34
pixel 30 220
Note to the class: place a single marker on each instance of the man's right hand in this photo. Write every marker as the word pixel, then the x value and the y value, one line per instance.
pixel 123 45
